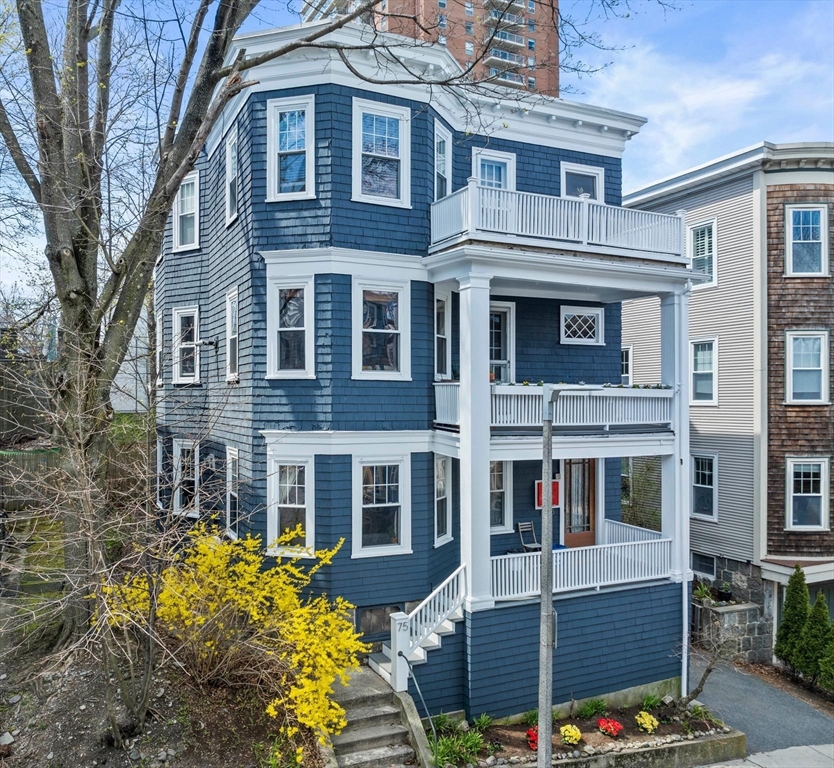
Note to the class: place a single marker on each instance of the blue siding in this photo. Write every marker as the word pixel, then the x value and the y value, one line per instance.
pixel 442 679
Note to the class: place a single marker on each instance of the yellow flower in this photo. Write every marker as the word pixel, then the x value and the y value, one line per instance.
pixel 570 734
pixel 646 722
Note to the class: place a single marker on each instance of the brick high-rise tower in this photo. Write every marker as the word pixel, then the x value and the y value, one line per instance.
pixel 514 42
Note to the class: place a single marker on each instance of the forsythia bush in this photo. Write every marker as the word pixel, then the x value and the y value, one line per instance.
pixel 233 622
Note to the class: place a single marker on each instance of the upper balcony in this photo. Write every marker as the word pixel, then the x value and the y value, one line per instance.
pixel 508 217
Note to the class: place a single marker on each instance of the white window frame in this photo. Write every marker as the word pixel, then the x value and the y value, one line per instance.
pixel 403 288
pixel 403 114
pixel 178 312
pixel 439 541
pixel 440 132
pixel 713 457
pixel 629 349
pixel 825 389
pixel 274 461
pixel 232 295
pixel 482 153
pixel 232 172
pixel 160 468
pixel 508 499
pixel 824 259
pixel 469 48
pixel 585 170
pixel 703 573
pixel 599 341
pixel 179 444
pixel 445 296
pixel 232 453
pixel 404 547
pixel 825 482
pixel 692 342
pixel 509 308
pixel 690 244
pixel 274 286
pixel 176 247
pixel 160 341
pixel 307 103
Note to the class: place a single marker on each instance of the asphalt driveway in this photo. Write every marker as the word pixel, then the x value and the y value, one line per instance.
pixel 771 718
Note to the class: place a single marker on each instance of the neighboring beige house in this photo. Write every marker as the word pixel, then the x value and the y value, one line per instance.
pixel 759 221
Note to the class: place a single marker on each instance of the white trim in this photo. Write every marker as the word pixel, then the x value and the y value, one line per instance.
pixel 598 312
pixel 824 257
pixel 692 342
pixel 403 289
pixel 345 261
pixel 814 574
pixel 529 448
pixel 824 462
pixel 713 457
pixel 369 443
pixel 159 352
pixel 509 308
pixel 231 139
pixel 274 285
pixel 445 296
pixel 232 295
pixel 630 349
pixel 509 158
pixel 508 499
pixel 403 114
pixel 586 170
pixel 177 313
pixel 194 177
pixel 160 469
pixel 439 541
pixel 690 250
pixel 440 132
pixel 306 103
pixel 404 494
pixel 275 458
pixel 232 453
pixel 825 392
pixel 194 445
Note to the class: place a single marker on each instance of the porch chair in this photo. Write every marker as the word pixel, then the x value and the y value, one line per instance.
pixel 528 529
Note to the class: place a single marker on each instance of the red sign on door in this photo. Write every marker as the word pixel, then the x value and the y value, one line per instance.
pixel 540 494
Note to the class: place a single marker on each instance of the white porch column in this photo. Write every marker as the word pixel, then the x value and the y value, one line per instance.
pixel 474 439
pixel 674 369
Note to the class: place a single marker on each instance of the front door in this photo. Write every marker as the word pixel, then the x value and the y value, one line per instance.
pixel 579 504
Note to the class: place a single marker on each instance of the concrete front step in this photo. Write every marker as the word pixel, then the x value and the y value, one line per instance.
pixel 380 757
pixel 381 664
pixel 370 737
pixel 373 714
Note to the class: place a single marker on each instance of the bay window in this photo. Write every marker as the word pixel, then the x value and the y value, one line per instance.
pixel 291 148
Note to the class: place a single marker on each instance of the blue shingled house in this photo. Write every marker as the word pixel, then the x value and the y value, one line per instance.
pixel 359 294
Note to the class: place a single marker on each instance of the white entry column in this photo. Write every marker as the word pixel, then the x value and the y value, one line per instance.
pixel 474 439
pixel 674 369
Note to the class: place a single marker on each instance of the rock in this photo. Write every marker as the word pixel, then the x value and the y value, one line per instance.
pixel 83 707
pixel 575 753
pixel 689 737
pixel 134 754
pixel 726 729
pixel 162 756
pixel 676 737
pixel 590 750
pixel 50 756
pixel 16 732
pixel 449 765
pixel 694 703
pixel 3 676
pixel 6 738
pixel 500 761
pixel 667 700
pixel 172 753
pixel 469 765
pixel 491 760
pixel 14 699
pixel 463 725
pixel 160 693
pixel 482 764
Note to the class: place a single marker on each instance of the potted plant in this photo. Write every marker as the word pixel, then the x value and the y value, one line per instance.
pixel 702 592
pixel 724 592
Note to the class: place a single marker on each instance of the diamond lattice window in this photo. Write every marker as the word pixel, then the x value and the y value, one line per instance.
pixel 581 327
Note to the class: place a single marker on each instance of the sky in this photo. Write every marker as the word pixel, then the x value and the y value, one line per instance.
pixel 713 77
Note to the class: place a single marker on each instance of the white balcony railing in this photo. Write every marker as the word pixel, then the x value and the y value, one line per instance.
pixel 518 576
pixel 506 56
pixel 623 533
pixel 521 406
pixel 505 19
pixel 485 213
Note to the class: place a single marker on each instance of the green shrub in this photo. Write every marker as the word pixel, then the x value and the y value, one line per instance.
pixel 459 748
pixel 444 725
pixel 794 616
pixel 814 638
pixel 592 708
pixel 651 702
pixel 482 722
pixel 531 718
pixel 826 679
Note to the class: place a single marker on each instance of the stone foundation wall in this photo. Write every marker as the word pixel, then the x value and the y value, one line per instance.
pixel 745 579
pixel 742 632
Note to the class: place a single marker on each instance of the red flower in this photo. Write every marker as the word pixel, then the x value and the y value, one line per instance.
pixel 533 738
pixel 609 727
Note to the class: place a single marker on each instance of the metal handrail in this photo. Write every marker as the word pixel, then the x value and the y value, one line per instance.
pixel 425 708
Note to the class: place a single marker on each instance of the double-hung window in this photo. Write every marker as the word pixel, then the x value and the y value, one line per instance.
pixel 702 250
pixel 441 21
pixel 582 325
pixel 578 180
pixel 807 493
pixel 159 344
pixel 291 490
pixel 289 326
pixel 381 330
pixel 232 492
pixel 495 170
pixel 232 373
pixel 705 486
pixel 186 345
pixel 290 149
pixel 442 160
pixel 187 214
pixel 704 359
pixel 442 500
pixel 186 477
pixel 382 507
pixel 500 497
pixel 231 177
pixel 806 235
pixel 625 366
pixel 469 8
pixel 442 331
pixel 161 483
pixel 381 153
pixel 807 367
